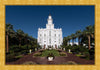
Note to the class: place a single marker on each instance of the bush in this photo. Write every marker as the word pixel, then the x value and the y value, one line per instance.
pixel 75 49
pixel 78 49
pixel 20 56
pixel 78 55
pixel 87 55
pixel 23 51
pixel 24 47
pixel 92 54
pixel 59 50
pixel 16 53
pixel 14 48
pixel 62 54
pixel 47 52
pixel 68 47
pixel 10 58
pixel 13 57
pixel 37 54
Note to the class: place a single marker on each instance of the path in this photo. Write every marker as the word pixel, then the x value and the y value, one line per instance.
pixel 57 60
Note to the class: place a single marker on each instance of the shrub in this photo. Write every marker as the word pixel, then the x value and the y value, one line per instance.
pixel 68 47
pixel 20 56
pixel 59 50
pixel 87 55
pixel 37 54
pixel 78 55
pixel 79 49
pixel 15 48
pixel 10 58
pixel 18 53
pixel 24 47
pixel 92 54
pixel 62 54
pixel 47 52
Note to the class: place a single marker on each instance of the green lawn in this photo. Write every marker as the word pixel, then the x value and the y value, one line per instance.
pixel 46 52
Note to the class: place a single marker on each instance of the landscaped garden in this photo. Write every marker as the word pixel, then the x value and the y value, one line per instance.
pixel 23 49
pixel 86 43
pixel 18 44
pixel 47 52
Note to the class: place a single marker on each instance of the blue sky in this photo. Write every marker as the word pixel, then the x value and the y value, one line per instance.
pixel 69 18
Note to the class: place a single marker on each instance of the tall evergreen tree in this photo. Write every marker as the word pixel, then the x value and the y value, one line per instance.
pixel 9 31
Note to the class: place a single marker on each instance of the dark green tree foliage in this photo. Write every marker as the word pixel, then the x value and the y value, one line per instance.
pixel 9 34
pixel 86 37
pixel 18 42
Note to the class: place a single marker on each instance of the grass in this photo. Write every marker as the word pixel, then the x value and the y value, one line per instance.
pixel 62 54
pixel 29 63
pixel 19 56
pixel 46 52
pixel 37 54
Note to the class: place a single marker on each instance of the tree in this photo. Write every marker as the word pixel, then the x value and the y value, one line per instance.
pixel 9 31
pixel 69 38
pixel 78 35
pixel 73 37
pixel 20 35
pixel 65 40
pixel 25 36
pixel 89 32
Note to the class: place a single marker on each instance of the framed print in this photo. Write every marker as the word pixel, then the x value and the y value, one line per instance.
pixel 55 34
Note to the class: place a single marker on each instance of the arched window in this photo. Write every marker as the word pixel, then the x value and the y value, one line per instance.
pixel 49 33
pixel 50 41
pixel 59 35
pixel 55 35
pixel 40 35
pixel 44 34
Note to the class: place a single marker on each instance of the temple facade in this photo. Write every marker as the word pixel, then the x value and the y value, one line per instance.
pixel 50 37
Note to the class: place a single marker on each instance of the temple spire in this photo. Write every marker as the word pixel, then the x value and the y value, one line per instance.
pixel 50 17
pixel 49 14
pixel 50 20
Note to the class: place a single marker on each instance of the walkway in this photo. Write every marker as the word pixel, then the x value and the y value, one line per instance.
pixel 57 60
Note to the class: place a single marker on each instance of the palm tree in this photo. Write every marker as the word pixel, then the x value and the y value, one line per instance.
pixel 78 34
pixel 69 38
pixel 20 35
pixel 65 40
pixel 9 31
pixel 89 32
pixel 73 37
pixel 92 31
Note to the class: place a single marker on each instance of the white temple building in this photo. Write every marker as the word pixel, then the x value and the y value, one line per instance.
pixel 50 36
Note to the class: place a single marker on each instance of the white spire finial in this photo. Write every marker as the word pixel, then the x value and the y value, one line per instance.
pixel 50 20
pixel 50 16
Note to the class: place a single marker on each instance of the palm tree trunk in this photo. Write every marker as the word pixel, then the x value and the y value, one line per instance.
pixel 78 41
pixel 89 42
pixel 69 42
pixel 7 43
pixel 72 41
